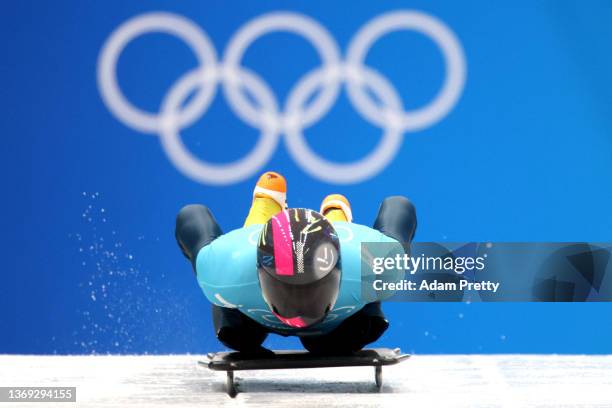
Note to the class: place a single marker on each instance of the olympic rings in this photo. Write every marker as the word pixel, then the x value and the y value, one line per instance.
pixel 300 111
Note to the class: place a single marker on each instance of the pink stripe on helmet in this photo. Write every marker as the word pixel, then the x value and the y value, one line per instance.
pixel 283 246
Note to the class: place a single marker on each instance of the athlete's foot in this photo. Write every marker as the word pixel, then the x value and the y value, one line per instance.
pixel 269 198
pixel 272 185
pixel 335 207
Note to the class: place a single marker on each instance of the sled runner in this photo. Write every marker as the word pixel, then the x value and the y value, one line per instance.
pixel 286 359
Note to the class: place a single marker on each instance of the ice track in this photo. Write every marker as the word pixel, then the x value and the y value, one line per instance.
pixel 455 380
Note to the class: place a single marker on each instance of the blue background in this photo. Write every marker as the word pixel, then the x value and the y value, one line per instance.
pixel 89 261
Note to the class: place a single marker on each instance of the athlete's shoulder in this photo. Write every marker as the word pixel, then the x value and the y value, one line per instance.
pixel 246 236
pixel 353 232
pixel 236 249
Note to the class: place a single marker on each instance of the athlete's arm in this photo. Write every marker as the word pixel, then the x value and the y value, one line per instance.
pixel 195 228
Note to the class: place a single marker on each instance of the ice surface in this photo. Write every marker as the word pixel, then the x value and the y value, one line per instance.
pixel 456 380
